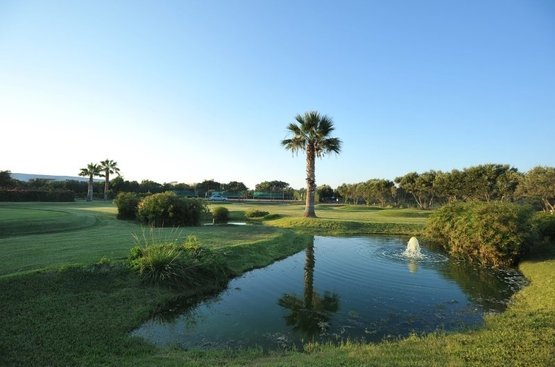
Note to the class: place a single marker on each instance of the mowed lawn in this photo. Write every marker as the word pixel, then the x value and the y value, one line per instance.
pixel 80 316
pixel 339 212
pixel 49 235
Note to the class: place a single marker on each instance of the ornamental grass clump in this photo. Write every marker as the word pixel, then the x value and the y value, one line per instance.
pixel 494 234
pixel 178 265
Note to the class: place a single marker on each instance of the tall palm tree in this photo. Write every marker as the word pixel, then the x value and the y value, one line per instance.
pixel 92 170
pixel 108 167
pixel 312 135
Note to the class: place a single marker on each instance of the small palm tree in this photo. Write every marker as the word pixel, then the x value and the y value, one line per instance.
pixel 312 135
pixel 92 170
pixel 107 168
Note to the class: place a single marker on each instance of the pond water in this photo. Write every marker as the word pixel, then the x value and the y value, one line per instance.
pixel 355 288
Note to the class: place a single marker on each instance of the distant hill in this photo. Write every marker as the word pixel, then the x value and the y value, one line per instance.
pixel 29 176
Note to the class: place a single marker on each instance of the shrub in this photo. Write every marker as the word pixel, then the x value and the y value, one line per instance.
pixel 167 210
pixel 255 213
pixel 543 225
pixel 127 203
pixel 178 265
pixel 494 233
pixel 220 214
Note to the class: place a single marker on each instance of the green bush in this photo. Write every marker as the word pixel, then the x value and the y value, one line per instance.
pixel 255 213
pixel 494 233
pixel 178 265
pixel 168 210
pixel 544 230
pixel 220 214
pixel 127 203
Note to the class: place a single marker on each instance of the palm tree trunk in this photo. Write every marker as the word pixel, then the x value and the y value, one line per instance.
pixel 310 182
pixel 309 276
pixel 90 189
pixel 106 185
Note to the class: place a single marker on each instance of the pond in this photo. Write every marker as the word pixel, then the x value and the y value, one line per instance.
pixel 338 289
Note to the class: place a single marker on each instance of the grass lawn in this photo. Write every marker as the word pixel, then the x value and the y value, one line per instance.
pixel 82 314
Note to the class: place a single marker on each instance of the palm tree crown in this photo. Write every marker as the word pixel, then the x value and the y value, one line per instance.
pixel 311 134
pixel 107 168
pixel 91 170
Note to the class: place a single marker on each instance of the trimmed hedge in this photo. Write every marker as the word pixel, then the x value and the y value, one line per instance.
pixel 495 233
pixel 37 195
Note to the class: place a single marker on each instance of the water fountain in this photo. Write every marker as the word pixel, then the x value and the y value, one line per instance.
pixel 413 249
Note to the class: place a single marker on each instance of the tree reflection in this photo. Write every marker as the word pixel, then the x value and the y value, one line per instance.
pixel 311 313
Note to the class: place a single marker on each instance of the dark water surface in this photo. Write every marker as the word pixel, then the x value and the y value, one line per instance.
pixel 357 288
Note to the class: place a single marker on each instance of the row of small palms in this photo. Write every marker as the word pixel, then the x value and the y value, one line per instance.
pixel 310 133
pixel 104 169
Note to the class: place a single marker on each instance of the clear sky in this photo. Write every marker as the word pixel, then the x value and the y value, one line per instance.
pixel 193 90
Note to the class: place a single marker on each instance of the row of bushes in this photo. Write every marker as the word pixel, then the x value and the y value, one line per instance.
pixel 37 195
pixel 166 209
pixel 495 233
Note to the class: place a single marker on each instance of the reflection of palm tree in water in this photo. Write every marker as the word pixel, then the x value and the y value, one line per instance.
pixel 311 314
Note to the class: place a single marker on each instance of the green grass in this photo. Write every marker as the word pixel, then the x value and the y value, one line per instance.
pixel 82 315
pixel 366 214
pixel 82 233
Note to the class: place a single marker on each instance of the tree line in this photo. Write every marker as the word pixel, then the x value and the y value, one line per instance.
pixel 487 182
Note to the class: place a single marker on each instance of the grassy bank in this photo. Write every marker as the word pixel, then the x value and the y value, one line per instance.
pixel 82 314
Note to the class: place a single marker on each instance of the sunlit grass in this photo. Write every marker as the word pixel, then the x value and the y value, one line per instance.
pixel 357 213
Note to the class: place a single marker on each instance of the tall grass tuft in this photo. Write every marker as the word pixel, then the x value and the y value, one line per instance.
pixel 179 265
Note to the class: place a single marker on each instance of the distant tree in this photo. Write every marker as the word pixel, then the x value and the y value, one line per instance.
pixel 90 171
pixel 148 186
pixel 235 186
pixel 421 186
pixel 539 183
pixel 450 185
pixel 299 194
pixel 205 187
pixel 117 185
pixel 78 187
pixel 183 187
pixel 311 134
pixel 348 192
pixel 381 190
pixel 38 183
pixel 108 167
pixel 364 191
pixel 6 179
pixel 272 186
pixel 325 193
pixel 489 182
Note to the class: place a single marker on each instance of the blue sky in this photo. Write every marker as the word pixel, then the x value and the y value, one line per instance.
pixel 192 90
